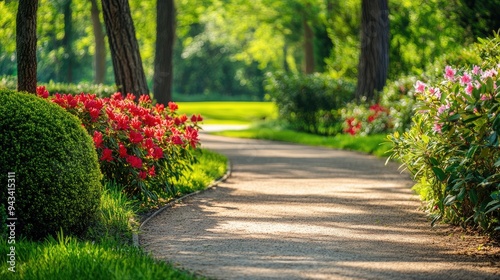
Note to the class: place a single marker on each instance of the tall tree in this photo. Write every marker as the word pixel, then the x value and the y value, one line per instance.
pixel 26 45
pixel 100 48
pixel 308 41
pixel 67 42
pixel 374 57
pixel 127 63
pixel 165 36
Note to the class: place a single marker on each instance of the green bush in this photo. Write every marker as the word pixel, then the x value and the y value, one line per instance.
pixel 10 82
pixel 453 148
pixel 310 103
pixel 57 176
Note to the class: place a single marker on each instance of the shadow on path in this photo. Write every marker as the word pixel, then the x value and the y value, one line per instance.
pixel 295 212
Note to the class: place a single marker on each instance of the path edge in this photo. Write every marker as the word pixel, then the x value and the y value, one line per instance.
pixel 135 235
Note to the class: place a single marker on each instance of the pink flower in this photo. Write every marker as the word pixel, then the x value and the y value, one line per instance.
pixel 465 79
pixel 443 108
pixel 449 73
pixel 435 92
pixel 469 89
pixel 437 127
pixel 476 70
pixel 107 155
pixel 420 87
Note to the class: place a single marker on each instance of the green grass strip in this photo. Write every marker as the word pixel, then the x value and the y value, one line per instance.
pixel 372 144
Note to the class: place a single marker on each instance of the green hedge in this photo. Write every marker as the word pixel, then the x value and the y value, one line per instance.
pixel 310 103
pixel 57 176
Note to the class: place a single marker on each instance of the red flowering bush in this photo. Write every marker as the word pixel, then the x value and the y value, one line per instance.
pixel 140 146
pixel 364 120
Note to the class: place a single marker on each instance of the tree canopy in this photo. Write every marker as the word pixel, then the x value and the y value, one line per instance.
pixel 227 46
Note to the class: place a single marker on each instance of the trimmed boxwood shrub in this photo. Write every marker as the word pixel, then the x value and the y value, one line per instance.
pixel 57 175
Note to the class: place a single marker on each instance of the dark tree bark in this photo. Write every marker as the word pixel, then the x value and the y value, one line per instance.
pixel 127 63
pixel 374 57
pixel 308 43
pixel 100 47
pixel 165 36
pixel 67 42
pixel 26 45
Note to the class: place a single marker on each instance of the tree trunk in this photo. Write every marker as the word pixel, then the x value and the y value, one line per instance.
pixel 165 36
pixel 308 44
pixel 127 63
pixel 100 48
pixel 26 45
pixel 374 57
pixel 67 42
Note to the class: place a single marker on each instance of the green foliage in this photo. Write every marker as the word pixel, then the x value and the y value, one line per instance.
pixel 453 147
pixel 140 146
pixel 363 119
pixel 398 97
pixel 373 144
pixel 116 217
pixel 310 103
pixel 67 258
pixel 57 175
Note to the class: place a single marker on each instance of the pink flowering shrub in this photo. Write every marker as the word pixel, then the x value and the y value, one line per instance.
pixel 364 120
pixel 453 149
pixel 140 146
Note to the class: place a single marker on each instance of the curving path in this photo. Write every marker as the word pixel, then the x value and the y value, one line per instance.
pixel 295 212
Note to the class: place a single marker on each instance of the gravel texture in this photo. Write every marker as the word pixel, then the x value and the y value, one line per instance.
pixel 296 212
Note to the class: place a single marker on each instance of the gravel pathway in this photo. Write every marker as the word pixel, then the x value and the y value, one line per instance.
pixel 296 212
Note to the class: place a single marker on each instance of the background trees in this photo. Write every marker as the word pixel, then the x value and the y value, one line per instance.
pixel 127 63
pixel 26 45
pixel 225 47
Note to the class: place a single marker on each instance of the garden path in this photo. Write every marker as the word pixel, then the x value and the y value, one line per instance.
pixel 296 212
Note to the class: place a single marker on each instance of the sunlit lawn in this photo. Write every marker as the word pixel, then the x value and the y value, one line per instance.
pixel 230 112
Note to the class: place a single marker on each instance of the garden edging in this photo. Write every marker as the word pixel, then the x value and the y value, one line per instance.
pixel 135 236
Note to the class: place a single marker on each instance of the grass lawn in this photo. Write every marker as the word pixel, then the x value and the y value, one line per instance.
pixel 372 144
pixel 107 252
pixel 230 112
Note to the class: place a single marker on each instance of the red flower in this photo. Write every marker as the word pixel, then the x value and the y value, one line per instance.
pixel 371 118
pixel 94 113
pixel 117 96
pixel 172 106
pixel 134 161
pixel 149 143
pixel 107 155
pixel 192 135
pixel 159 108
pixel 97 139
pixel 135 124
pixel 149 132
pixel 177 140
pixel 42 92
pixel 152 171
pixel 130 97
pixel 122 150
pixel 135 137
pixel 157 153
pixel 143 175
pixel 144 99
pixel 196 119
